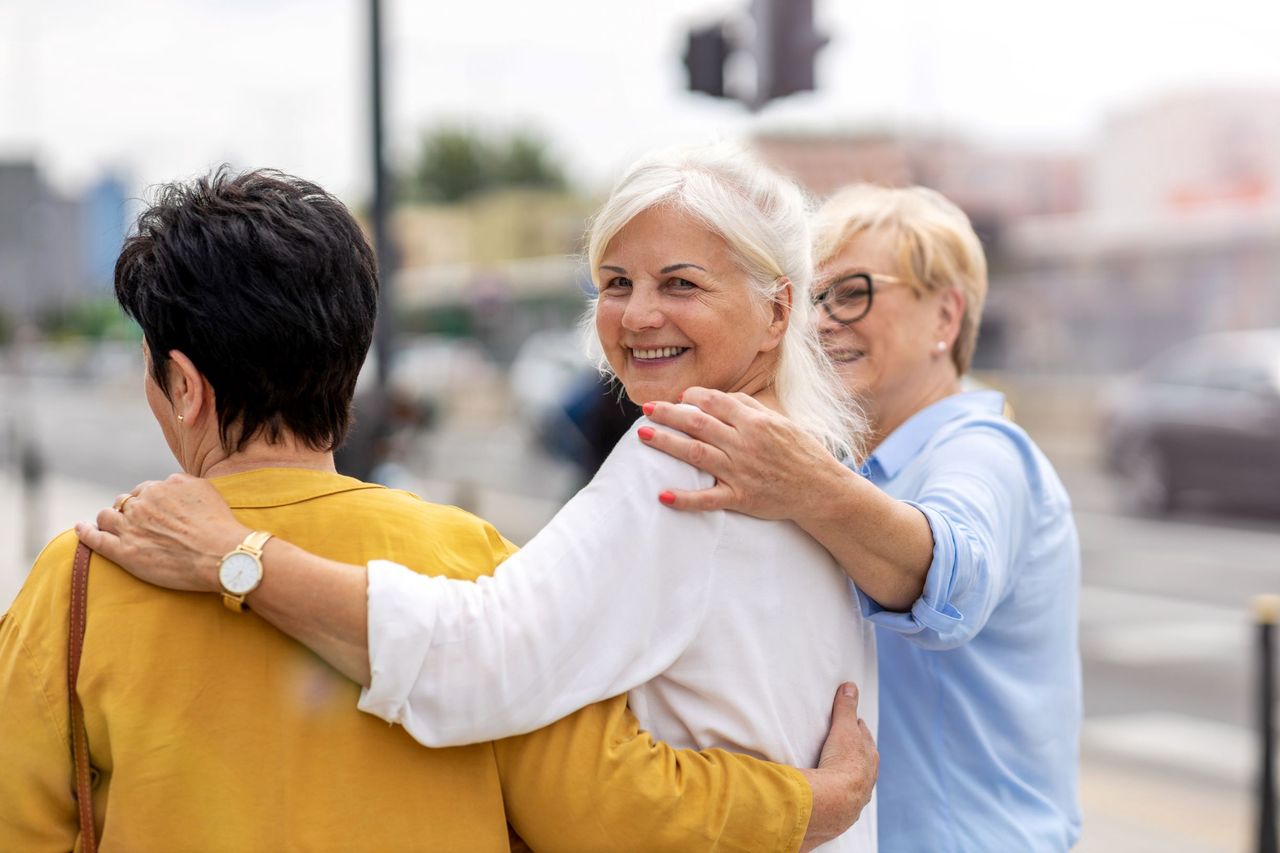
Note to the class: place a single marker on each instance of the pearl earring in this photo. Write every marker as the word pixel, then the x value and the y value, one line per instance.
pixel 941 346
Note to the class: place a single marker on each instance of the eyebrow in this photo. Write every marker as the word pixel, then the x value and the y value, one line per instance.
pixel 844 275
pixel 665 270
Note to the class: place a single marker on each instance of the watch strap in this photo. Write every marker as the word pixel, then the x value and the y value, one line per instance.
pixel 252 545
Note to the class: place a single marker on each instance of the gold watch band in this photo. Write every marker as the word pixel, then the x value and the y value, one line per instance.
pixel 253 545
pixel 255 542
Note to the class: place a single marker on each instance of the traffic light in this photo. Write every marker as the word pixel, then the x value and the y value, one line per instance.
pixel 787 45
pixel 705 57
pixel 784 49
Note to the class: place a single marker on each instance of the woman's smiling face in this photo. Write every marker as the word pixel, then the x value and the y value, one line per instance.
pixel 889 355
pixel 675 309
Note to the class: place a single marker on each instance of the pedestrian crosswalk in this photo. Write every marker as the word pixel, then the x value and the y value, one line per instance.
pixel 1138 628
pixel 1151 637
pixel 1175 742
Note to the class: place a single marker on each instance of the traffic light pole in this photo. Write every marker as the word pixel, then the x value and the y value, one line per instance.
pixel 384 329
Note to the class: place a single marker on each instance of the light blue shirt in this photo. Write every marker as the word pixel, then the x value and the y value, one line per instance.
pixel 980 698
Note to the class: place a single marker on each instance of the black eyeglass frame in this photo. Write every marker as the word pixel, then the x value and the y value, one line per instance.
pixel 824 297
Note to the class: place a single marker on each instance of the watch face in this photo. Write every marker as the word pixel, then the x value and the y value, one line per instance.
pixel 239 573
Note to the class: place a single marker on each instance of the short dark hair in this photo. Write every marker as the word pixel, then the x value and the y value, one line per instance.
pixel 267 284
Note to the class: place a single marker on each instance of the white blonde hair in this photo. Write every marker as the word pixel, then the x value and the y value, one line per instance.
pixel 934 240
pixel 764 219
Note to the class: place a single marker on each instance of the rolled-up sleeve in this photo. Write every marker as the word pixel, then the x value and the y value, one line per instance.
pixel 976 496
pixel 603 599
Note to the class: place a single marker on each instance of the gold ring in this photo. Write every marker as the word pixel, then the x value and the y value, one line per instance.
pixel 123 503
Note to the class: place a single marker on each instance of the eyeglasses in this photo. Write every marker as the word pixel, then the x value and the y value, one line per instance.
pixel 849 299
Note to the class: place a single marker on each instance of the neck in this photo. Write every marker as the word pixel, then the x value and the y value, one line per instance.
pixel 759 381
pixel 887 415
pixel 287 453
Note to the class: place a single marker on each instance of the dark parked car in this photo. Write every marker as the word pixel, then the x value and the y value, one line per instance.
pixel 1204 418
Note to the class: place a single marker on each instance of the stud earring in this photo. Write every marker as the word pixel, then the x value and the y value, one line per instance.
pixel 181 418
pixel 940 346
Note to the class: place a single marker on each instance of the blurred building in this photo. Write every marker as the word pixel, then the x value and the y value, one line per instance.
pixel 54 249
pixel 497 267
pixel 104 214
pixel 996 186
pixel 1179 235
pixel 992 184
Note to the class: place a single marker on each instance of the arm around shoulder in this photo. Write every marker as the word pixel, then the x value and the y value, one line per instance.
pixel 604 598
pixel 977 497
pixel 595 782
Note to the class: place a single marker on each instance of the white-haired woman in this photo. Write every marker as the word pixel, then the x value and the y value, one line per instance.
pixel 955 528
pixel 727 631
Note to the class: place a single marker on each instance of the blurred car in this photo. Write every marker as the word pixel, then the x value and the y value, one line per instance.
pixel 1203 418
pixel 577 414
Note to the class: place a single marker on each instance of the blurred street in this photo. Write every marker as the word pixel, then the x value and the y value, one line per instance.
pixel 1168 749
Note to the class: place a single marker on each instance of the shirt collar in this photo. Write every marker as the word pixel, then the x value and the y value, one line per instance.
pixel 905 442
pixel 270 487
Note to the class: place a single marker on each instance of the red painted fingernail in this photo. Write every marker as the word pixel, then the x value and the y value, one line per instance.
pixel 645 433
pixel 647 408
pixel 667 498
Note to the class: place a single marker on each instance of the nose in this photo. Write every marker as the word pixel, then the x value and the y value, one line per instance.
pixel 643 311
pixel 826 326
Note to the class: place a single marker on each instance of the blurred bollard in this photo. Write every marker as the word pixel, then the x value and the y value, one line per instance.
pixel 32 471
pixel 1266 611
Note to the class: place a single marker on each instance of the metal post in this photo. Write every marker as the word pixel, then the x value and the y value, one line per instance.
pixel 1266 610
pixel 32 470
pixel 381 198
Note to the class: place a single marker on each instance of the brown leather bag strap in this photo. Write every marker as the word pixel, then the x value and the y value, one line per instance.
pixel 80 737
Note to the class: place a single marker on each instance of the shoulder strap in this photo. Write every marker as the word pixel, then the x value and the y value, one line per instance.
pixel 80 737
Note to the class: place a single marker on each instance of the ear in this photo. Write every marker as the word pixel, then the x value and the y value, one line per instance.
pixel 190 392
pixel 951 304
pixel 780 308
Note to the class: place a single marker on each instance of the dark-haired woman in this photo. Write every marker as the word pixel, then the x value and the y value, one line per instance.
pixel 210 730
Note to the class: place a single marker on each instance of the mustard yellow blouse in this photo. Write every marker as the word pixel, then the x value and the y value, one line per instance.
pixel 215 732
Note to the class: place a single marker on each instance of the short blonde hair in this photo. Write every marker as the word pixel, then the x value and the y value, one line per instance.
pixel 764 219
pixel 937 246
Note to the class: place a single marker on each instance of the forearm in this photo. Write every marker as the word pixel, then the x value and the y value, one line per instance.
pixel 883 544
pixel 318 602
pixel 594 781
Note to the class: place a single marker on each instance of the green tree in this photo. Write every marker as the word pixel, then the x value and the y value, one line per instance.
pixel 454 163
pixel 524 161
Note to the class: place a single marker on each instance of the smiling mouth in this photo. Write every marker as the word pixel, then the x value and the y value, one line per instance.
pixel 655 354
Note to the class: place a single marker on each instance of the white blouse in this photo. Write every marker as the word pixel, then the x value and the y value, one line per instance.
pixel 728 631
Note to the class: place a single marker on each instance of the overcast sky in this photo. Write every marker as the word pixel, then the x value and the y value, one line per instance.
pixel 165 89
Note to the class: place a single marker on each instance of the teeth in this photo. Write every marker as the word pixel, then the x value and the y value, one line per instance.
pixel 662 352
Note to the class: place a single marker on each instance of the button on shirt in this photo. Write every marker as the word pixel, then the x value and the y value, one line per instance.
pixel 980 681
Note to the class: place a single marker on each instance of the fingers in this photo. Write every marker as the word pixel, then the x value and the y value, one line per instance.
pixel 729 408
pixel 844 710
pixel 110 520
pixel 718 496
pixel 700 455
pixel 691 421
pixel 98 540
pixel 143 486
pixel 849 740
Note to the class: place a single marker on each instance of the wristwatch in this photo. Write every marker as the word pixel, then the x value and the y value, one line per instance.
pixel 240 571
